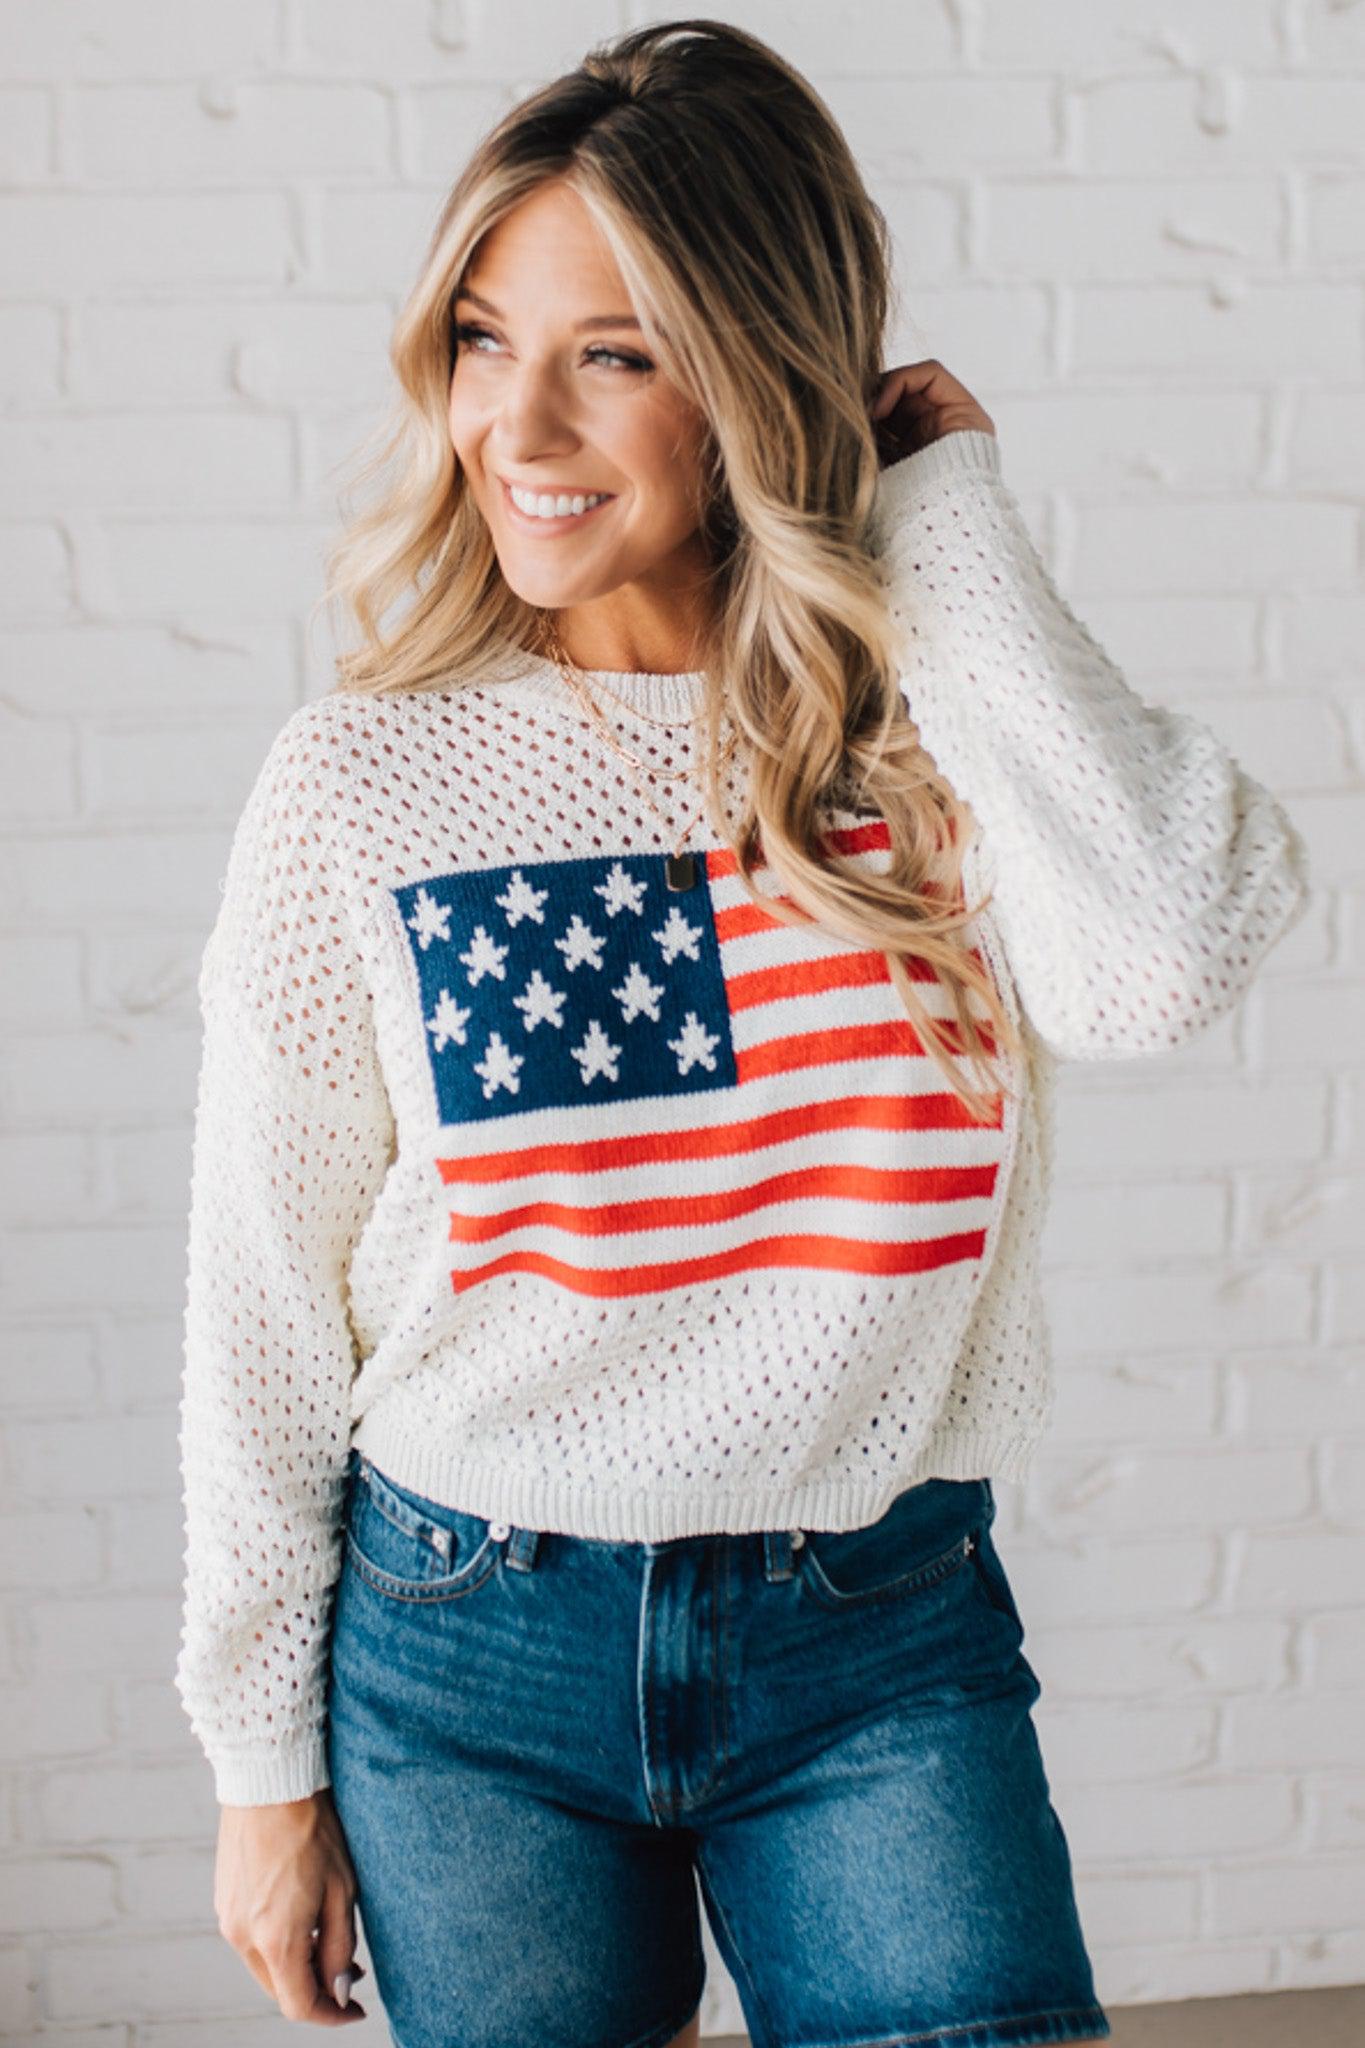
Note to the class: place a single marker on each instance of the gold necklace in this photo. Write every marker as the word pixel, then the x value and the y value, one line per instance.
pixel 679 867
pixel 554 647
pixel 578 681
pixel 668 724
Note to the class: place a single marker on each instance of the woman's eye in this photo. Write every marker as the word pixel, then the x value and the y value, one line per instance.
pixel 463 334
pixel 615 356
pixel 467 332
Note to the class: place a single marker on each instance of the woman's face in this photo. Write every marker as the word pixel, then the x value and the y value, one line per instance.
pixel 554 391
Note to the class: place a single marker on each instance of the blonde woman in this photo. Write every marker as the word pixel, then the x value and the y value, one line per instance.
pixel 624 1127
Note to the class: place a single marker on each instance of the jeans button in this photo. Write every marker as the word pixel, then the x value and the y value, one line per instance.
pixel 798 1537
pixel 499 1531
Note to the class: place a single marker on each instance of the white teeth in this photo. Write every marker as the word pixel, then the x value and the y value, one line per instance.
pixel 544 506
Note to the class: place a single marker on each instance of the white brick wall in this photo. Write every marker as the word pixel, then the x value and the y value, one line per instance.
pixel 1136 231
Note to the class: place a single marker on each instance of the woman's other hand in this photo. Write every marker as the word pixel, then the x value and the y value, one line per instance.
pixel 284 1877
pixel 917 403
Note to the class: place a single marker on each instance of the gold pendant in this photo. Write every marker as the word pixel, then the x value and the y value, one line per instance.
pixel 680 870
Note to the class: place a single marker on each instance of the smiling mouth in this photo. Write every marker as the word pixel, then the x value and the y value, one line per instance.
pixel 527 522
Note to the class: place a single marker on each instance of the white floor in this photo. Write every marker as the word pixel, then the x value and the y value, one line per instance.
pixel 1272 2019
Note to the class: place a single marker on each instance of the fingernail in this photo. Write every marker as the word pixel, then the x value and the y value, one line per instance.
pixel 341 1987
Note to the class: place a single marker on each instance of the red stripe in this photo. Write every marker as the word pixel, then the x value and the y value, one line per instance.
pixel 843 1042
pixel 873 836
pixel 836 970
pixel 848 1183
pixel 838 1254
pixel 741 920
pixel 813 977
pixel 942 1112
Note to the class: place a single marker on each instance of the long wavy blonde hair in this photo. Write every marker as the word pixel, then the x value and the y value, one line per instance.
pixel 759 268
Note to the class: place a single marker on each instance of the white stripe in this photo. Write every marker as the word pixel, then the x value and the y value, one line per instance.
pixel 863 1222
pixel 585 1123
pixel 813 1012
pixel 880 1150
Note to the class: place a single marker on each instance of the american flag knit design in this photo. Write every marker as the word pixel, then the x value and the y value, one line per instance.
pixel 592 1206
pixel 755 1065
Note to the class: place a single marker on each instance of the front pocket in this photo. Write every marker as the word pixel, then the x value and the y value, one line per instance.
pixel 917 1581
pixel 926 1535
pixel 414 1549
pixel 994 1581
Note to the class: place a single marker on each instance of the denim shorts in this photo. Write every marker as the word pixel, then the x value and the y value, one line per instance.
pixel 542 1746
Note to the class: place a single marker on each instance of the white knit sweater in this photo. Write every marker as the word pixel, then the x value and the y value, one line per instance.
pixel 592 1207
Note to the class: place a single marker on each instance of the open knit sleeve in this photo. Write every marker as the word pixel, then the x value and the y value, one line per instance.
pixel 293 1134
pixel 1140 874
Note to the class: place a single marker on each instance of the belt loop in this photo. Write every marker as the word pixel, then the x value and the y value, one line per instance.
pixel 520 1554
pixel 777 1554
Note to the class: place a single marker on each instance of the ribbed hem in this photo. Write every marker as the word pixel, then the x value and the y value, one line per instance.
pixel 654 1514
pixel 268 1777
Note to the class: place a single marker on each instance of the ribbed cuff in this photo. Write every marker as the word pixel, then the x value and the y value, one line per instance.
pixel 965 448
pixel 269 1777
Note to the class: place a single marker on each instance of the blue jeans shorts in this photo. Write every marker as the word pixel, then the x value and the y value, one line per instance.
pixel 542 1746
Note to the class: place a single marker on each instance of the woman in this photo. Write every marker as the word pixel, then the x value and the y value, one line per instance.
pixel 624 1128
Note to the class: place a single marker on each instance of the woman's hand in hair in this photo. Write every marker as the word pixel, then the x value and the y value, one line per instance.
pixel 921 402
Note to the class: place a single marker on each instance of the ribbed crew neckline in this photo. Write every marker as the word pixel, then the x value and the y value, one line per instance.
pixel 661 693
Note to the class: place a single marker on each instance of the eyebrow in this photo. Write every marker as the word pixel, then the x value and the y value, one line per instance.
pixel 598 320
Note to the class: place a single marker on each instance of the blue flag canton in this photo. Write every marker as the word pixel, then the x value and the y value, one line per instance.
pixel 558 983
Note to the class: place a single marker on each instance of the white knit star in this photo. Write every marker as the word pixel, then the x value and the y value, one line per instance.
pixel 637 992
pixel 580 943
pixel 695 1045
pixel 621 891
pixel 596 1054
pixel 430 919
pixel 499 1067
pixel 521 900
pixel 676 936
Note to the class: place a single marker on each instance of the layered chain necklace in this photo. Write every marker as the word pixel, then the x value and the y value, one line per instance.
pixel 680 869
